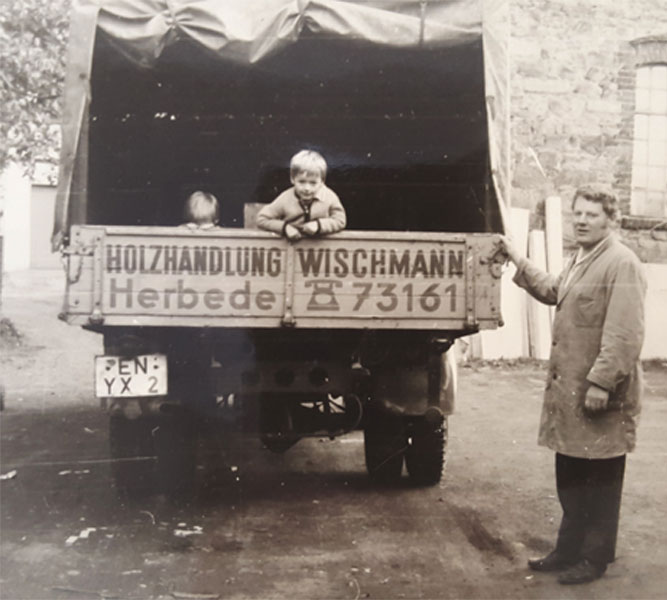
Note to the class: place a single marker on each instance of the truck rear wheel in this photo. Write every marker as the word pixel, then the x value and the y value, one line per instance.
pixel 275 423
pixel 132 450
pixel 176 449
pixel 425 454
pixel 152 455
pixel 384 448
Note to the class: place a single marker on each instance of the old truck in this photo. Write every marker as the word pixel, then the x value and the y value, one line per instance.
pixel 235 327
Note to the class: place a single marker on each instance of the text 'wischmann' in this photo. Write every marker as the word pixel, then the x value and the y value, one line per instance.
pixel 380 262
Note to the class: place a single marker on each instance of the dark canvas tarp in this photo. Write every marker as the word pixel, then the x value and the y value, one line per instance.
pixel 247 31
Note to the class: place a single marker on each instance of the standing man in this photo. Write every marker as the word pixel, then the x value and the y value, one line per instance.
pixel 592 395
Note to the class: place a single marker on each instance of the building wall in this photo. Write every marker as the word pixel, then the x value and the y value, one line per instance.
pixel 42 205
pixel 15 220
pixel 26 224
pixel 573 84
pixel 573 68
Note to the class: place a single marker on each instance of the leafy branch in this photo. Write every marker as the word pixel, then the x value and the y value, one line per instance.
pixel 33 39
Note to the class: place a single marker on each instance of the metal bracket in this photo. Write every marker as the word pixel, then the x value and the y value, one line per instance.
pixel 288 315
pixel 77 251
pixel 495 261
pixel 96 317
pixel 471 318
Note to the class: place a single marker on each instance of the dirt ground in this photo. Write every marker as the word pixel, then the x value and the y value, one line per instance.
pixel 308 525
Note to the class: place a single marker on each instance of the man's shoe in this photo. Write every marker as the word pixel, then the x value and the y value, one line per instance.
pixel 583 572
pixel 551 562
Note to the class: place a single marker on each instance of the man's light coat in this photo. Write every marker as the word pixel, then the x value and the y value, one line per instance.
pixel 598 331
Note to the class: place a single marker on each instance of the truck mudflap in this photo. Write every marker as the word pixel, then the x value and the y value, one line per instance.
pixel 175 277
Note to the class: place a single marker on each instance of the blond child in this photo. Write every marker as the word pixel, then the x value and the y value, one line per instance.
pixel 202 211
pixel 307 209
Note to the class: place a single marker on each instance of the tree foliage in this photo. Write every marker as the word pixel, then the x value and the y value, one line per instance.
pixel 33 39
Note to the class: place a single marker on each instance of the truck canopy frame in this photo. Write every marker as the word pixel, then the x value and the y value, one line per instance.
pixel 407 100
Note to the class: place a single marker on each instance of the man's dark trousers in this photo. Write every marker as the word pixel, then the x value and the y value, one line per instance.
pixel 589 491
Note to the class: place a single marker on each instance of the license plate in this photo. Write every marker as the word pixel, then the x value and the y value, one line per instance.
pixel 119 376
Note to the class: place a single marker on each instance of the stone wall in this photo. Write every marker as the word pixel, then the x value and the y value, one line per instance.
pixel 573 68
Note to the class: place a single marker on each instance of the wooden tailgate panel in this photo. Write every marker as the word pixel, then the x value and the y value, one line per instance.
pixel 245 278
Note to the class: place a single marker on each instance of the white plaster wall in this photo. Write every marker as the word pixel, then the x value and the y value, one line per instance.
pixel 655 340
pixel 15 221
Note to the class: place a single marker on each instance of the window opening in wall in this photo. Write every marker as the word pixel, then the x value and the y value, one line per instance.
pixel 649 160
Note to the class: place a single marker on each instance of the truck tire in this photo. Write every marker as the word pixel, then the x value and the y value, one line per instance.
pixel 277 446
pixel 384 448
pixel 152 455
pixel 425 454
pixel 275 423
pixel 132 450
pixel 176 450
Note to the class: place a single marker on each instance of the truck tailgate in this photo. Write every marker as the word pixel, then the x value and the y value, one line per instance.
pixel 166 276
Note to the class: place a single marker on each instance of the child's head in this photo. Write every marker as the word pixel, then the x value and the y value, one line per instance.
pixel 202 208
pixel 308 170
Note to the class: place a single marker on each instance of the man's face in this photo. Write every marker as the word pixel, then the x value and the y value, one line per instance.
pixel 591 223
pixel 306 185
